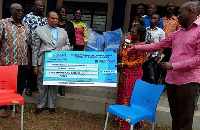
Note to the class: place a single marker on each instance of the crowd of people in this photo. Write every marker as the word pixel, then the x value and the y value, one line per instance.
pixel 156 48
pixel 24 41
pixel 172 46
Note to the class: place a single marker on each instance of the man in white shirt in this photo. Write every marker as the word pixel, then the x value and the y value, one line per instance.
pixel 154 34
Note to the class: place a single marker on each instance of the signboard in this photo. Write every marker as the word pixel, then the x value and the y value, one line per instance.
pixel 80 68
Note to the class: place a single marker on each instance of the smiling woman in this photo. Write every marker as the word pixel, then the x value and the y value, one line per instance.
pixel 80 31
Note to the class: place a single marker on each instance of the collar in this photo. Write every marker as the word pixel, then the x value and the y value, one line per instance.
pixel 194 24
pixel 13 21
pixel 148 28
pixel 147 17
pixel 51 27
pixel 34 13
pixel 144 16
pixel 173 17
pixel 197 22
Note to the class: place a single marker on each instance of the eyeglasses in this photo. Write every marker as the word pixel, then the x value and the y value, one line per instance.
pixel 78 13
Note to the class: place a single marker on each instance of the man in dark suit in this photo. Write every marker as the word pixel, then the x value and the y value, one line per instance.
pixel 48 37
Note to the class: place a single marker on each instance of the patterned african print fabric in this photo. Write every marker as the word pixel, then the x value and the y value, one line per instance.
pixel 34 21
pixel 127 78
pixel 13 43
pixel 170 25
pixel 80 33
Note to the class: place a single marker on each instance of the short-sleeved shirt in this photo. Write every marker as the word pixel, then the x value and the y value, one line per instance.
pixel 13 43
pixel 170 25
pixel 156 34
pixel 80 33
pixel 33 21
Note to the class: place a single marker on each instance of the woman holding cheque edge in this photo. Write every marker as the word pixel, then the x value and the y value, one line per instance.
pixel 130 69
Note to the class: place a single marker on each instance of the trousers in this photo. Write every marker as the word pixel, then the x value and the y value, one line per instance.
pixel 182 102
pixel 47 93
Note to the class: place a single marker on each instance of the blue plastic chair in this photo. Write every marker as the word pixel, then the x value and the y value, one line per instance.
pixel 143 104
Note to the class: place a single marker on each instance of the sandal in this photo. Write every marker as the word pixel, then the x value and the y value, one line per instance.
pixel 196 107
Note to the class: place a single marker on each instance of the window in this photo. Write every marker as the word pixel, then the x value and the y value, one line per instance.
pixel 94 15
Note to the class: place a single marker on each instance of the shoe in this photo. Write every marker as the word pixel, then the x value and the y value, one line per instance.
pixel 3 113
pixel 38 111
pixel 62 94
pixel 196 107
pixel 52 110
pixel 28 92
pixel 61 90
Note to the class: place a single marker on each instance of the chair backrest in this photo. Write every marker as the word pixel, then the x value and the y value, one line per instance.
pixel 8 78
pixel 146 95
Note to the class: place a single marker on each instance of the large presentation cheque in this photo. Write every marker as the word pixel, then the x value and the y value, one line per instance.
pixel 80 68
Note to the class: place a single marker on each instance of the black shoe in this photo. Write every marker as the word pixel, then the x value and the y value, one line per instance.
pixel 62 94
pixel 61 90
pixel 52 110
pixel 196 107
pixel 38 111
pixel 28 92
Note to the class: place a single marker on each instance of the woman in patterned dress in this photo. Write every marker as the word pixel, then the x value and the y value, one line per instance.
pixel 80 31
pixel 130 69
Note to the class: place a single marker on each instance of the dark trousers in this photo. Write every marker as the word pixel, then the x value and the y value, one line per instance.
pixel 148 74
pixel 182 102
pixel 78 47
pixel 3 107
pixel 31 80
pixel 167 52
pixel 21 78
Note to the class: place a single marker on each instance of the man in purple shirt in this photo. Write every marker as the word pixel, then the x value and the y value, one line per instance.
pixel 183 69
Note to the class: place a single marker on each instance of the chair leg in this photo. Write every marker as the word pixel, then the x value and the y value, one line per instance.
pixel 13 112
pixel 152 126
pixel 106 121
pixel 22 117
